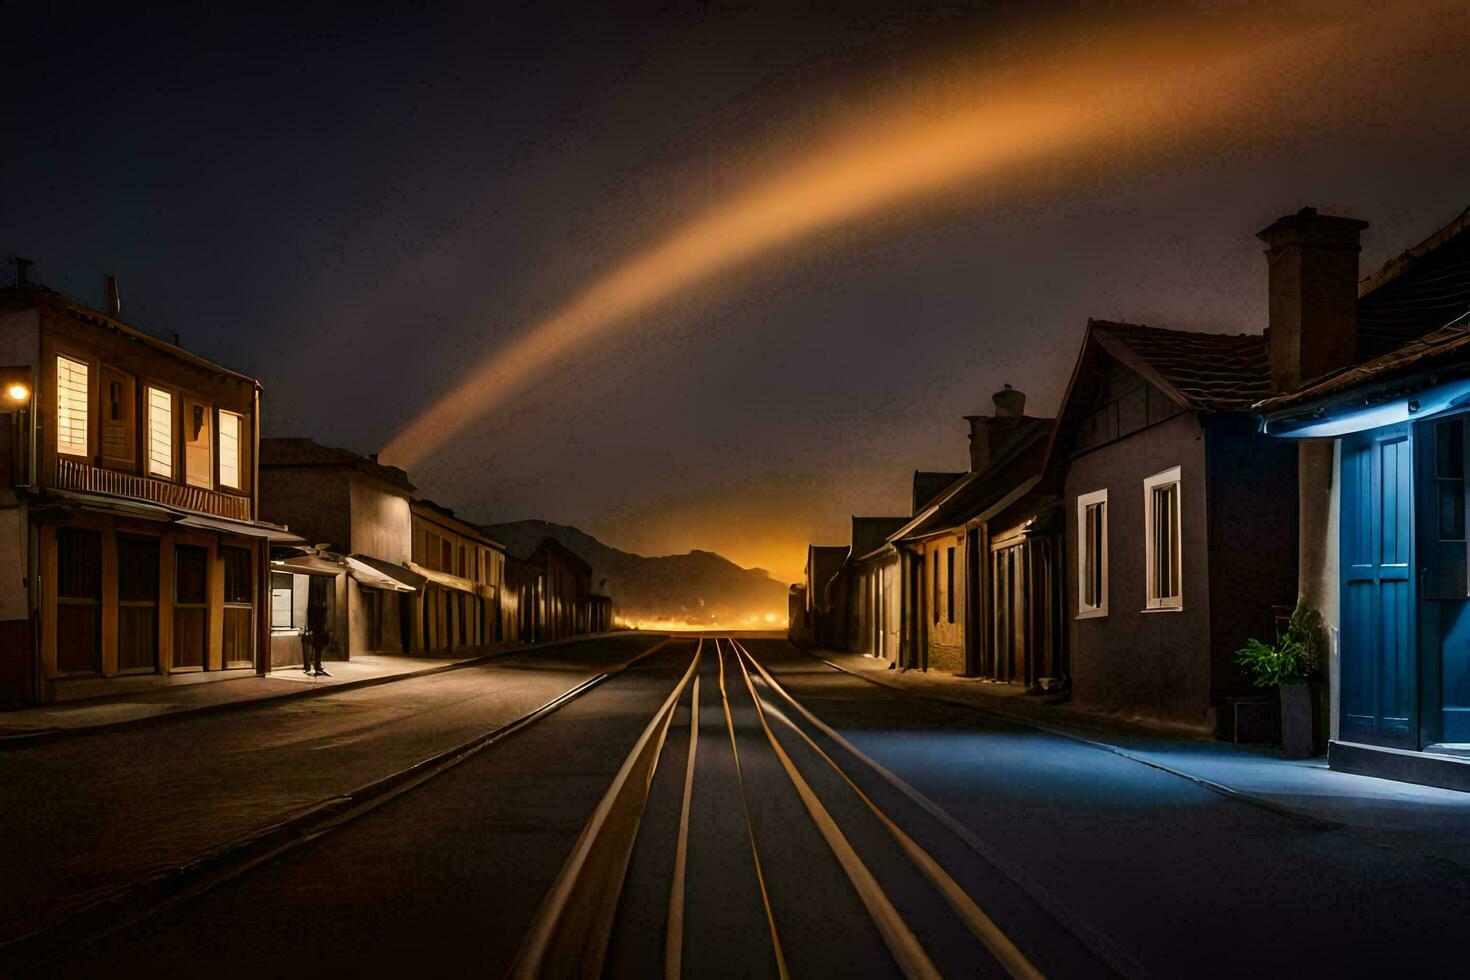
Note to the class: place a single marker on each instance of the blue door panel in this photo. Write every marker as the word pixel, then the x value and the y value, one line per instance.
pixel 1378 698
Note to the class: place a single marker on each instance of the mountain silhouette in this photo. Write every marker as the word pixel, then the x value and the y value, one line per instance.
pixel 699 587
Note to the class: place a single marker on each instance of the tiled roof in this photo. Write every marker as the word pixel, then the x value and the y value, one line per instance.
pixel 1423 289
pixel 1210 371
pixel 1433 350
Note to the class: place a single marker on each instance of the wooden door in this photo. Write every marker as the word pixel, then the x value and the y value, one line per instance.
pixel 1379 699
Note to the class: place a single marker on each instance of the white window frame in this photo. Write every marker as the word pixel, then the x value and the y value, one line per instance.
pixel 162 471
pixel 239 457
pixel 69 412
pixel 1084 501
pixel 290 593
pixel 1175 602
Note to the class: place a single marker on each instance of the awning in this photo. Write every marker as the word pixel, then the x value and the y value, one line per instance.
pixel 268 531
pixel 110 505
pixel 308 565
pixel 447 580
pixel 376 573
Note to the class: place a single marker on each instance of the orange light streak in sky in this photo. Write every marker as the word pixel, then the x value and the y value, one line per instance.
pixel 1088 90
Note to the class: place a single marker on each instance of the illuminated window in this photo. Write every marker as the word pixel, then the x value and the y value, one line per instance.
pixel 198 429
pixel 230 428
pixel 1162 564
pixel 160 433
pixel 283 601
pixel 71 406
pixel 1092 554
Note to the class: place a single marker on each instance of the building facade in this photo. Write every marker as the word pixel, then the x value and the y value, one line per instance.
pixel 459 605
pixel 130 546
pixel 1375 404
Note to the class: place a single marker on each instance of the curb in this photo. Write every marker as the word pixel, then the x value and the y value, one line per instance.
pixel 45 736
pixel 1240 796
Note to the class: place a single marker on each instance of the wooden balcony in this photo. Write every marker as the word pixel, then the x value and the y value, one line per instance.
pixel 73 474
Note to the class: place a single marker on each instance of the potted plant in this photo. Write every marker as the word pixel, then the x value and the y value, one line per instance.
pixel 1289 664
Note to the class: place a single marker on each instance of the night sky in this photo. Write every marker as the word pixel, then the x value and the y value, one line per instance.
pixel 360 209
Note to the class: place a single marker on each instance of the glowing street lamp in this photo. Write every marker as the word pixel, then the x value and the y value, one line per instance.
pixel 18 392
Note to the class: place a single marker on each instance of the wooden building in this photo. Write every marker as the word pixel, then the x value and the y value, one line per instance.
pixel 459 605
pixel 131 553
pixel 549 597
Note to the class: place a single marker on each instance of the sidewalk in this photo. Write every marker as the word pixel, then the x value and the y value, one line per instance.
pixel 29 725
pixel 1419 819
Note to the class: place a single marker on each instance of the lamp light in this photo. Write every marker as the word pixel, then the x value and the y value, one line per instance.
pixel 17 391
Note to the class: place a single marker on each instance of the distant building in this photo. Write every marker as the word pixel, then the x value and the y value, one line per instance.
pixel 983 558
pixel 131 553
pixel 1375 380
pixel 821 625
pixel 549 595
pixel 459 605
pixel 356 513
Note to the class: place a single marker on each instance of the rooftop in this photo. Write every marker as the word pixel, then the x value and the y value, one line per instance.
pixel 299 452
pixel 1211 372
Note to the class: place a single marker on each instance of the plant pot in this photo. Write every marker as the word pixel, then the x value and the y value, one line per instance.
pixel 1296 721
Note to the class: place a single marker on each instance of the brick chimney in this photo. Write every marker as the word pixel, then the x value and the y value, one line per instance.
pixel 987 433
pixel 1313 263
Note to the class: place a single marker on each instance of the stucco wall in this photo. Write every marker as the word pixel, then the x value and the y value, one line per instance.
pixel 381 525
pixel 1253 540
pixel 1148 663
pixel 311 502
pixel 945 640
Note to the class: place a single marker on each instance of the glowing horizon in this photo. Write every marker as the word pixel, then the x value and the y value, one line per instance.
pixel 1174 83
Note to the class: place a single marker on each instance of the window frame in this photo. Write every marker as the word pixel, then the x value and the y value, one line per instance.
pixel 69 448
pixel 148 409
pixel 290 591
pixel 1085 501
pixel 220 414
pixel 1170 477
pixel 203 479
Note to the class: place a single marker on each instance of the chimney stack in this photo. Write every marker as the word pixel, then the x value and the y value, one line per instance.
pixel 1313 263
pixel 990 432
pixel 1009 403
pixel 114 302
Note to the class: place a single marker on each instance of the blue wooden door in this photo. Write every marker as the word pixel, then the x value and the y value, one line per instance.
pixel 1379 697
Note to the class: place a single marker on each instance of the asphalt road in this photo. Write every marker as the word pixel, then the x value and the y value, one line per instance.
pixel 830 828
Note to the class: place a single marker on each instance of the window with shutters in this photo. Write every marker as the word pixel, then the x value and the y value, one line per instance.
pixel 191 605
pixel 1162 565
pixel 71 406
pixel 160 433
pixel 137 601
pixel 198 440
pixel 78 600
pixel 118 426
pixel 1092 554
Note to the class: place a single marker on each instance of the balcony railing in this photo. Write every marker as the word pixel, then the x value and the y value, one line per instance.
pixel 75 475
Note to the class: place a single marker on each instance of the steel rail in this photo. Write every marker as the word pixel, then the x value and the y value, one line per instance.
pixel 135 901
pixel 674 934
pixel 900 939
pixel 749 825
pixel 1087 934
pixel 546 950
pixel 984 928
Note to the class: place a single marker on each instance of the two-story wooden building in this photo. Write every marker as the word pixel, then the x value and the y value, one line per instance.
pixel 465 572
pixel 131 553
